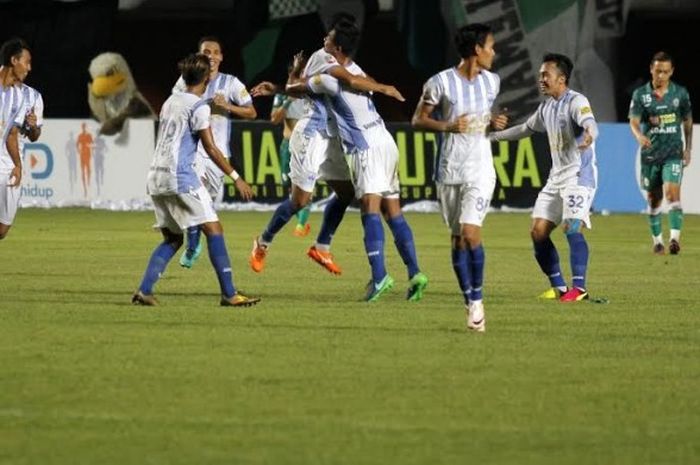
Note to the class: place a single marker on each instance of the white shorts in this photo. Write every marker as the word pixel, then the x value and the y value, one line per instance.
pixel 376 171
pixel 556 204
pixel 314 157
pixel 9 202
pixel 211 176
pixel 465 203
pixel 178 212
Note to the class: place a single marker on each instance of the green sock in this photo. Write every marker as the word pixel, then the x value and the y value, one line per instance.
pixel 675 218
pixel 303 216
pixel 655 224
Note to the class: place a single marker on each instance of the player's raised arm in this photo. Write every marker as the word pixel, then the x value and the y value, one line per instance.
pixel 222 163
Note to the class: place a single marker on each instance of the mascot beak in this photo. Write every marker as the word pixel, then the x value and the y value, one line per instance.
pixel 103 86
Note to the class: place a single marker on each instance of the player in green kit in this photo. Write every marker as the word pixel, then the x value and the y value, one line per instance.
pixel 658 111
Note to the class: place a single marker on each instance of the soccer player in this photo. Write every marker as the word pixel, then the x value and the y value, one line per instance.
pixel 316 153
pixel 16 64
pixel 179 197
pixel 657 111
pixel 375 159
pixel 287 111
pixel 462 96
pixel 227 97
pixel 566 116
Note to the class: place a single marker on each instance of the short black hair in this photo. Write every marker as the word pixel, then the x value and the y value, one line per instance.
pixel 468 37
pixel 562 62
pixel 662 56
pixel 194 68
pixel 347 36
pixel 209 39
pixel 12 48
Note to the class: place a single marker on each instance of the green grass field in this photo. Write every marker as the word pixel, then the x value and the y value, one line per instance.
pixel 313 375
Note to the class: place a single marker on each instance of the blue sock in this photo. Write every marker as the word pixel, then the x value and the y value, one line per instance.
pixel 578 249
pixel 548 259
pixel 332 216
pixel 156 265
pixel 459 264
pixel 221 263
pixel 193 236
pixel 403 239
pixel 280 217
pixel 475 263
pixel 374 244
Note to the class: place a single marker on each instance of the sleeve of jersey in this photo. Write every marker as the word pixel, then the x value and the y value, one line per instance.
pixel 534 122
pixel 239 94
pixel 432 91
pixel 323 84
pixel 635 110
pixel 200 116
pixel 179 86
pixel 39 110
pixel 581 110
pixel 320 62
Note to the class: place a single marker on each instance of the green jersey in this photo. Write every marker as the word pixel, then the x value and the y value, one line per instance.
pixel 661 120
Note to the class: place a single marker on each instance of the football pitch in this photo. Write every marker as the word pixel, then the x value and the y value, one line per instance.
pixel 312 375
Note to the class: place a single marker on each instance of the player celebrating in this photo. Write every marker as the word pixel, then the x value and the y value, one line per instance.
pixel 316 153
pixel 375 159
pixel 179 198
pixel 657 111
pixel 227 97
pixel 16 64
pixel 465 176
pixel 567 118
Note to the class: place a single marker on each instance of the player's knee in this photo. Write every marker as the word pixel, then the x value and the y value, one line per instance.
pixel 674 203
pixel 572 226
pixel 175 240
pixel 3 235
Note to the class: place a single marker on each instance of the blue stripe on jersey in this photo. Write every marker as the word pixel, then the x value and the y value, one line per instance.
pixel 350 133
pixel 186 177
pixel 440 137
pixel 223 81
pixel 318 119
pixel 452 83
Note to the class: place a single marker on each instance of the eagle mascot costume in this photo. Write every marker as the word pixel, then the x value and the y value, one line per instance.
pixel 112 94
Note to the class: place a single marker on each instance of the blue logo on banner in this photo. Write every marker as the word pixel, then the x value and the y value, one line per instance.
pixel 40 160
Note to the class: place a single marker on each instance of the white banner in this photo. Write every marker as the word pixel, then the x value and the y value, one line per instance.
pixel 71 165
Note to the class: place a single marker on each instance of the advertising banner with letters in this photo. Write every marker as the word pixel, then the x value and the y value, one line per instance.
pixel 71 165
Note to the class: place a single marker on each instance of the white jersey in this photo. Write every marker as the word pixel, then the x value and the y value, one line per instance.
pixel 317 117
pixel 173 167
pixel 463 157
pixel 563 121
pixel 12 112
pixel 32 101
pixel 357 118
pixel 235 92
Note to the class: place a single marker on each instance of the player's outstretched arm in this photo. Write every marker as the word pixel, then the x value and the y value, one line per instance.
pixel 220 160
pixel 364 84
pixel 513 133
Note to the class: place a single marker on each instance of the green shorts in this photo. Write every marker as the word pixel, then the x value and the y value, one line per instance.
pixel 285 155
pixel 655 175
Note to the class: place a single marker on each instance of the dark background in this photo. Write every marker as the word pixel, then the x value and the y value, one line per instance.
pixel 66 36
